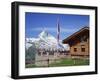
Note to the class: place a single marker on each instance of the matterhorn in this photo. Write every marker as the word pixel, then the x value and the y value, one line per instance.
pixel 45 41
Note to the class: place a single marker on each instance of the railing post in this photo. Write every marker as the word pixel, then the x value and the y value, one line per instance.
pixel 48 62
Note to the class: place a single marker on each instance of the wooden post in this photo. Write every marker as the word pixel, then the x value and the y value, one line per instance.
pixel 48 62
pixel 74 62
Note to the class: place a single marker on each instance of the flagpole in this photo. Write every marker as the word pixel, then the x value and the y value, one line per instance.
pixel 58 32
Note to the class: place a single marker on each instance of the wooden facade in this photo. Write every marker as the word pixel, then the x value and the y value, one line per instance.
pixel 79 43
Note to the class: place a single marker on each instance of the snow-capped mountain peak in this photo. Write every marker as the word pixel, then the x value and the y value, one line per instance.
pixel 45 41
pixel 43 34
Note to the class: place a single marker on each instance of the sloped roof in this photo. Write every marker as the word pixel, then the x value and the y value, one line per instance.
pixel 78 33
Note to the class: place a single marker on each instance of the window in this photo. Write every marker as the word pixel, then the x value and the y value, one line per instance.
pixel 44 53
pixel 39 53
pixel 84 39
pixel 51 53
pixel 75 49
pixel 83 49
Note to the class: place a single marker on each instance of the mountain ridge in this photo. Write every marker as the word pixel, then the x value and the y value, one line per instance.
pixel 45 41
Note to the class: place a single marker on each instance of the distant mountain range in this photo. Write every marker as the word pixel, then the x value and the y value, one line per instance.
pixel 45 41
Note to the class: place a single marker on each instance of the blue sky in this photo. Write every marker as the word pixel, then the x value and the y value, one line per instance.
pixel 36 22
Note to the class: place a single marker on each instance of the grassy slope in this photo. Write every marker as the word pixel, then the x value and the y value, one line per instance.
pixel 71 62
pixel 65 62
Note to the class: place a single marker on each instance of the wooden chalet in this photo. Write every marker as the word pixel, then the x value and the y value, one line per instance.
pixel 79 43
